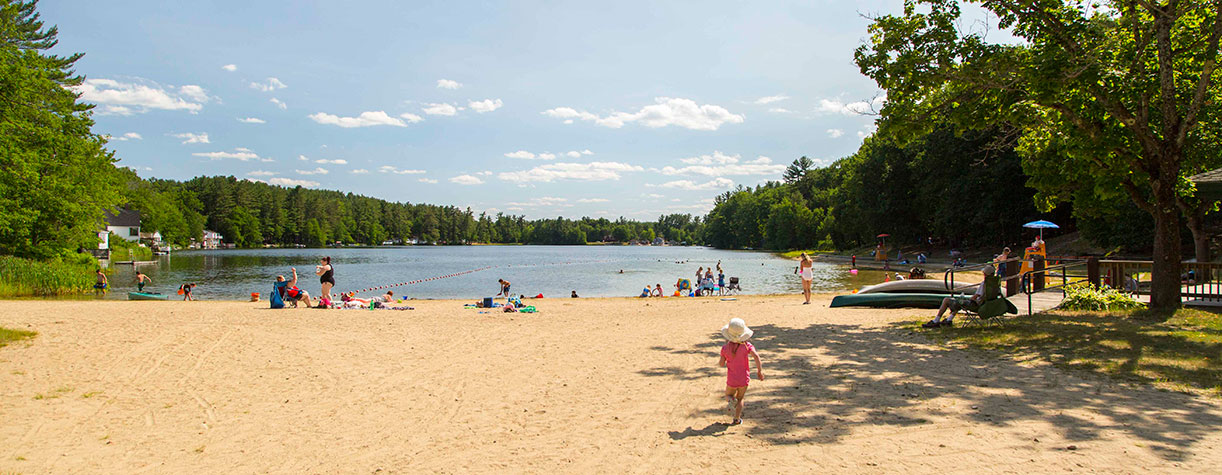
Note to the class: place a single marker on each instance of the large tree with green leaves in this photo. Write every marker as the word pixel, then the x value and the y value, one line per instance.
pixel 1102 96
pixel 56 177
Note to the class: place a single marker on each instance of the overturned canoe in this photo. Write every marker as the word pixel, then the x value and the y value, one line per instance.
pixel 918 286
pixel 889 300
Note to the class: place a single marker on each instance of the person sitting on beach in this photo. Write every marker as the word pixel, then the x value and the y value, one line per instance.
pixel 657 291
pixel 955 304
pixel 734 358
pixel 574 294
pixel 646 291
pixel 921 258
pixel 291 293
pixel 141 281
pixel 101 283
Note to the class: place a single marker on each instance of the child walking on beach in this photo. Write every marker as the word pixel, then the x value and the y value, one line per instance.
pixel 734 356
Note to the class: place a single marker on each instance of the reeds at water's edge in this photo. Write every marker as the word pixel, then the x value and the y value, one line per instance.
pixel 30 278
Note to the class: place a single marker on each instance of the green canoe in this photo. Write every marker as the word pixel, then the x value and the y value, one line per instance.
pixel 889 300
pixel 146 296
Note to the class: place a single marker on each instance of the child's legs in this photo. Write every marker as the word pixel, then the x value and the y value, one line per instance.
pixel 739 394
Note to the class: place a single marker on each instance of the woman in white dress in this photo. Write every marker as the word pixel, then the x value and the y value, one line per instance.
pixel 806 271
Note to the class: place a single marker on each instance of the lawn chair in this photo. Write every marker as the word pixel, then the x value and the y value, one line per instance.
pixel 993 309
pixel 733 287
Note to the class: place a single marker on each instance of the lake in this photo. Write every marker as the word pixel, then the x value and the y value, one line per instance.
pixel 554 271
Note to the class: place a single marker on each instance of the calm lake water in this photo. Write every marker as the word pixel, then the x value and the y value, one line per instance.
pixel 554 271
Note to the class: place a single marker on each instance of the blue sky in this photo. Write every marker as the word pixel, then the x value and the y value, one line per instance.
pixel 600 109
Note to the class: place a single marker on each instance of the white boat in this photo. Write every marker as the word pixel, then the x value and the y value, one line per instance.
pixel 920 286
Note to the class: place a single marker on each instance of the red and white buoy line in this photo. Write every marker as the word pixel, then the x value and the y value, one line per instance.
pixel 419 281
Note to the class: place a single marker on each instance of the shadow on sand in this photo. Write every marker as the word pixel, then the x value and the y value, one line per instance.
pixel 888 375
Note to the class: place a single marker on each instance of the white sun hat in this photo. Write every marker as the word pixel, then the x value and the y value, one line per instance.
pixel 736 331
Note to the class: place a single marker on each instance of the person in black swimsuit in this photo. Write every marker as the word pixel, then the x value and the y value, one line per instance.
pixel 326 277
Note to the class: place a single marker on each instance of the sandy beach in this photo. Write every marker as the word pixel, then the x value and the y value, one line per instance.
pixel 588 385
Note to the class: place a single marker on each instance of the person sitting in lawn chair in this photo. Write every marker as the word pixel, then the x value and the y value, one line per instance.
pixel 988 290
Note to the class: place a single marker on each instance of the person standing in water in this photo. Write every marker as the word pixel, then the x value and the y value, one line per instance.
pixel 807 272
pixel 101 283
pixel 326 277
pixel 141 280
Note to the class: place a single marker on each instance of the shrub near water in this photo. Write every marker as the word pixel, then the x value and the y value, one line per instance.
pixel 28 278
pixel 1088 297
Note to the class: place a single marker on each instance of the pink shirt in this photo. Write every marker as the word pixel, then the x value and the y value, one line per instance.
pixel 738 369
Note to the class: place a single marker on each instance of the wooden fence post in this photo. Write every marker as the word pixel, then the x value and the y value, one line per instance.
pixel 1037 283
pixel 1092 271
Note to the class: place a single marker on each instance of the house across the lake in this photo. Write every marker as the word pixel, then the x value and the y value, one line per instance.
pixel 125 224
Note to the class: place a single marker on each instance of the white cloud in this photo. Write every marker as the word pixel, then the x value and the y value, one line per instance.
pixel 547 156
pixel 268 86
pixel 427 180
pixel 230 67
pixel 410 117
pixel 125 98
pixel 267 160
pixel 289 182
pixel 278 103
pixel 252 120
pixel 366 119
pixel 720 164
pixel 861 134
pixel 262 173
pixel 780 110
pixel 484 173
pixel 188 137
pixel 522 154
pixel 337 161
pixel 448 84
pixel 542 201
pixel 771 99
pixel 316 171
pixel 128 136
pixel 466 180
pixel 665 112
pixel 572 154
pixel 654 195
pixel 303 158
pixel 593 171
pixel 194 92
pixel 390 169
pixel 834 133
pixel 440 109
pixel 486 105
pixel 835 106
pixel 593 200
pixel 238 153
pixel 716 184
pixel 359 171
pixel 587 152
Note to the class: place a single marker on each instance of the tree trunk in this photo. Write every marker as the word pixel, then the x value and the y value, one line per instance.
pixel 1200 238
pixel 1165 278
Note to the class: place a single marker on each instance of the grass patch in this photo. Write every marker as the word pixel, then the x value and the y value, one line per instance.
pixel 1180 351
pixel 29 278
pixel 90 394
pixel 9 335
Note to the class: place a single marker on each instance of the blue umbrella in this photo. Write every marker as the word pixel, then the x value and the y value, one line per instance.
pixel 1041 225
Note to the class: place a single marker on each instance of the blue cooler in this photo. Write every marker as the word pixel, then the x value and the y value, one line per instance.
pixel 487 302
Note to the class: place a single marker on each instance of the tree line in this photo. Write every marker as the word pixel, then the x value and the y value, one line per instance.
pixel 948 185
pixel 255 214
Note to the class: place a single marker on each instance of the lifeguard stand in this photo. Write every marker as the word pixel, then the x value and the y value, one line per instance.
pixel 1029 255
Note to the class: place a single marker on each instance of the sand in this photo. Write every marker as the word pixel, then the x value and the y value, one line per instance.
pixel 590 385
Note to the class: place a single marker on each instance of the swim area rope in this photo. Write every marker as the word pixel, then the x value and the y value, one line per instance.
pixel 447 276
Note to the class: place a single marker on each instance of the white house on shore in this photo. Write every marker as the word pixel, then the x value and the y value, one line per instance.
pixel 125 224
